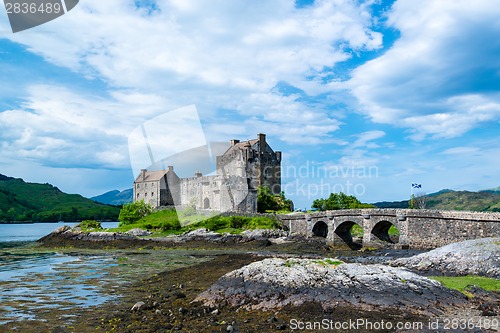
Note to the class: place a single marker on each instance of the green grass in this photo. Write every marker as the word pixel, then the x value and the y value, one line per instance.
pixel 328 262
pixel 166 222
pixel 393 231
pixel 357 231
pixel 323 262
pixel 461 283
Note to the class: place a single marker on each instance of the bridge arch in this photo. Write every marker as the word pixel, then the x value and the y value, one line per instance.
pixel 386 231
pixel 320 229
pixel 343 234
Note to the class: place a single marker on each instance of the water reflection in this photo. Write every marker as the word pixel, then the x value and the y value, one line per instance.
pixel 33 282
pixel 36 282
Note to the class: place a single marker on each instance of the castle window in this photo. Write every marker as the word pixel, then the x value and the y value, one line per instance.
pixel 152 194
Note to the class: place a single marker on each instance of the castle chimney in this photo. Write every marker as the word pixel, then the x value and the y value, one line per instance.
pixel 234 142
pixel 198 174
pixel 262 142
pixel 143 174
pixel 278 156
pixel 170 168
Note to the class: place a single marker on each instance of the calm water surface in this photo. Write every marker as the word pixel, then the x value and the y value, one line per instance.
pixel 34 278
pixel 36 281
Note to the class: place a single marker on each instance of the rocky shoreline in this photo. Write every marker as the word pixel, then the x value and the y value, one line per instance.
pixel 76 237
pixel 289 281
pixel 179 301
pixel 471 257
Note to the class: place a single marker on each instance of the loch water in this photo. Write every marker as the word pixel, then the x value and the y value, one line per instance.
pixel 33 279
pixel 40 284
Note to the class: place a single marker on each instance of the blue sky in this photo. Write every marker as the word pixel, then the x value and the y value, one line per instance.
pixel 363 97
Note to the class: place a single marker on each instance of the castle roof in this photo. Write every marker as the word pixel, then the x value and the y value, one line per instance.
pixel 151 176
pixel 240 145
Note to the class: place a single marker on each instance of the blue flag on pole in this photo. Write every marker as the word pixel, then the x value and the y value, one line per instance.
pixel 415 185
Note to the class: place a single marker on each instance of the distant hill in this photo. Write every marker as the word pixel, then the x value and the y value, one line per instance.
pixel 115 197
pixel 482 201
pixel 21 201
pixel 493 190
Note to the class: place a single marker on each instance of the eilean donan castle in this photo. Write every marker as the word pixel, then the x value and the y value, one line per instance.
pixel 239 172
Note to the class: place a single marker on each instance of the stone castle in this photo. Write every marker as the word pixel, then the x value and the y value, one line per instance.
pixel 239 172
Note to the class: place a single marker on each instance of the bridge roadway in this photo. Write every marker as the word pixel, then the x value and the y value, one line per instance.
pixel 418 229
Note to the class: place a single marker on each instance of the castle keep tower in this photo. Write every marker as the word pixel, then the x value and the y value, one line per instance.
pixel 240 171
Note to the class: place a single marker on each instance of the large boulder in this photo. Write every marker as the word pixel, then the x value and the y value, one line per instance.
pixel 470 257
pixel 275 283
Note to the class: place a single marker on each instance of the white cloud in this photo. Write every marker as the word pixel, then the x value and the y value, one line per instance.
pixel 461 151
pixel 440 78
pixel 57 127
pixel 365 138
pixel 189 52
pixel 204 45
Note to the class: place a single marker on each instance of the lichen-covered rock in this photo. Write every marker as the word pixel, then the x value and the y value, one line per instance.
pixel 139 232
pixel 264 233
pixel 76 234
pixel 245 236
pixel 275 283
pixel 470 257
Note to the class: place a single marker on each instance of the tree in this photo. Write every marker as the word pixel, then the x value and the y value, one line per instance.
pixel 134 211
pixel 73 216
pixel 412 203
pixel 266 200
pixel 282 202
pixel 339 201
pixel 419 201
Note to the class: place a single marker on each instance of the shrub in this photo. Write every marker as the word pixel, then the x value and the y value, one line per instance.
pixel 133 212
pixel 236 222
pixel 216 223
pixel 90 224
pixel 339 201
pixel 170 225
pixel 267 201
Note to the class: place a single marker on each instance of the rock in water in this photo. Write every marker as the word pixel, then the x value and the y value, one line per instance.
pixel 275 283
pixel 470 257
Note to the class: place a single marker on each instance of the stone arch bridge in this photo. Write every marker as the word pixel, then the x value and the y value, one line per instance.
pixel 418 229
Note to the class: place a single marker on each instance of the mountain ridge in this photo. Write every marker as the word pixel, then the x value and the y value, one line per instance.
pixel 35 202
pixel 115 197
pixel 446 199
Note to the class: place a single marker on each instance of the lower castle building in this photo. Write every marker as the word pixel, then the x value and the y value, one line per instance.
pixel 239 172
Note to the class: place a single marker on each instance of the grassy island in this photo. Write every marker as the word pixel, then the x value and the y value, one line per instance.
pixel 167 222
